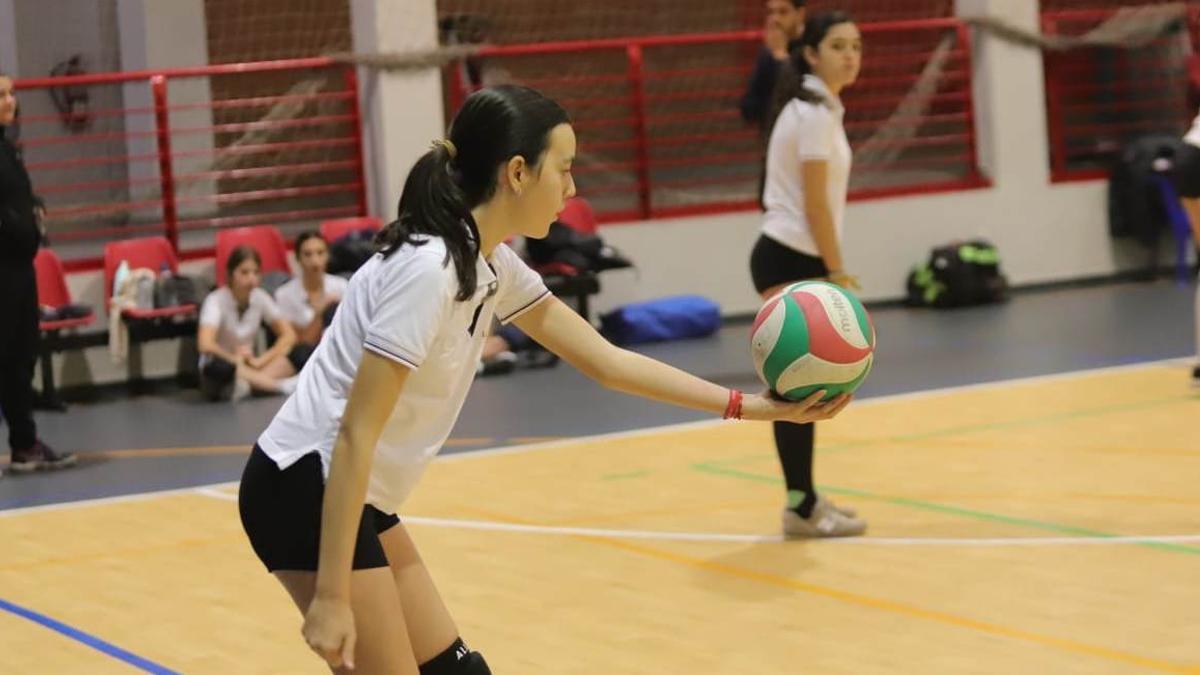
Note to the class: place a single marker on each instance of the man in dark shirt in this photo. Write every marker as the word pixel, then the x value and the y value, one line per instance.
pixel 20 236
pixel 784 26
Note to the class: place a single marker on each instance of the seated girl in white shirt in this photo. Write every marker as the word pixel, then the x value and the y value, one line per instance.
pixel 230 320
pixel 309 300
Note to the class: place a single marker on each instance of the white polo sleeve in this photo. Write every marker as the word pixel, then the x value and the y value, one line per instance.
pixel 270 309
pixel 293 303
pixel 520 287
pixel 210 311
pixel 815 127
pixel 1193 135
pixel 336 286
pixel 410 299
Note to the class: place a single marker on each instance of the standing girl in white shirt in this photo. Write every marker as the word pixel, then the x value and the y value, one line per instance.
pixel 1189 188
pixel 808 175
pixel 381 393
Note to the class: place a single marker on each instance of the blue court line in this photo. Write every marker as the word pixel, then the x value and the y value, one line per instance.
pixel 93 642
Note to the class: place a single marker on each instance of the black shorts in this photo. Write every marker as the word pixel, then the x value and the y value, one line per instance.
pixel 1187 171
pixel 773 264
pixel 300 354
pixel 281 513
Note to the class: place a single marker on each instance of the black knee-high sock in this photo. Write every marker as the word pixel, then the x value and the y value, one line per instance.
pixel 795 445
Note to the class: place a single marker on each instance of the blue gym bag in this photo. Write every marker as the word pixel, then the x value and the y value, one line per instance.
pixel 672 318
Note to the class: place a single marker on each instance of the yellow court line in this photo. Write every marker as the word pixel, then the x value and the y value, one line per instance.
pixel 873 602
pixel 904 609
pixel 170 452
pixel 526 440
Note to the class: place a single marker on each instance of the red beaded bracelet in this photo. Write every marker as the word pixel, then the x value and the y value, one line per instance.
pixel 733 411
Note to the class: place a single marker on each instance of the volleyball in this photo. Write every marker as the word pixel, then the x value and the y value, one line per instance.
pixel 813 335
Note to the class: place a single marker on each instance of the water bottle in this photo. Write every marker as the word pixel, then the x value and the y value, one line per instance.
pixel 119 278
pixel 168 296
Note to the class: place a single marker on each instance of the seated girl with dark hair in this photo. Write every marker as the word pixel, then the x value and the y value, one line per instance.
pixel 230 320
pixel 309 300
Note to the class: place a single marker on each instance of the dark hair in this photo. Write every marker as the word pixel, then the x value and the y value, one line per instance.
pixel 12 132
pixel 798 4
pixel 304 237
pixel 494 125
pixel 238 256
pixel 790 84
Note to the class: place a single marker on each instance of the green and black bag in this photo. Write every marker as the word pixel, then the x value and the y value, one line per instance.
pixel 958 275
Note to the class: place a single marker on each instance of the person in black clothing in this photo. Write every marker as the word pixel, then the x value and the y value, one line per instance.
pixel 781 35
pixel 20 236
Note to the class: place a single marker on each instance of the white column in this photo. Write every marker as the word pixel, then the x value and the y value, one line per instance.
pixel 8 38
pixel 402 110
pixel 157 35
pixel 1010 96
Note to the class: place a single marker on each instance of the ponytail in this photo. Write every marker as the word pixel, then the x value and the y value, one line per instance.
pixel 790 83
pixel 433 204
pixel 460 173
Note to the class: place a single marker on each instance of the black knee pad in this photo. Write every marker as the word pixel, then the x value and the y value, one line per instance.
pixel 457 660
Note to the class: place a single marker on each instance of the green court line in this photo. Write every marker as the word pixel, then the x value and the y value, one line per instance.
pixel 624 476
pixel 948 509
pixel 1049 419
pixel 975 428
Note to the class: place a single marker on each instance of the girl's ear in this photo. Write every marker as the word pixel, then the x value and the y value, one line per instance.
pixel 516 173
pixel 811 56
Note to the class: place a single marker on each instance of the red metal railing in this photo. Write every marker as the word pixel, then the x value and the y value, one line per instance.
pixel 1099 99
pixel 660 134
pixel 185 151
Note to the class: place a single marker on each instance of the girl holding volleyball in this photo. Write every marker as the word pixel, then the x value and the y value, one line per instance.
pixel 807 177
pixel 383 389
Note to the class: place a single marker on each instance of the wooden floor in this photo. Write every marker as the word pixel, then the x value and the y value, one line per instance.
pixel 1041 526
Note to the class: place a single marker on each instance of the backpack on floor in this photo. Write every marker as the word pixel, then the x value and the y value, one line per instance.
pixel 958 275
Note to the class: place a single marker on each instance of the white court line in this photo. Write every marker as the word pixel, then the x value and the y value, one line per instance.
pixel 661 535
pixel 652 431
pixel 216 492
pixel 871 401
pixel 119 499
pixel 769 538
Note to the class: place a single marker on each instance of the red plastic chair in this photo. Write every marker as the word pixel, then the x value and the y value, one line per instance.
pixel 266 239
pixel 579 216
pixel 53 291
pixel 332 230
pixel 148 252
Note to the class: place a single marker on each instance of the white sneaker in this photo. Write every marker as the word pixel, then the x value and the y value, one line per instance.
pixel 848 511
pixel 241 390
pixel 288 385
pixel 825 521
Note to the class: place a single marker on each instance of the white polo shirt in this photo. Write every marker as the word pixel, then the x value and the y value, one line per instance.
pixel 805 132
pixel 292 298
pixel 402 307
pixel 237 329
pixel 1193 135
